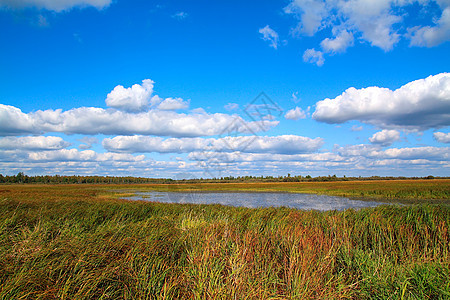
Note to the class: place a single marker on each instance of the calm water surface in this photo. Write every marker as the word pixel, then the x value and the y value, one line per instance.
pixel 255 199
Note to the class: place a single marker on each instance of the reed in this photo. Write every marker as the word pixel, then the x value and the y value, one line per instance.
pixel 77 242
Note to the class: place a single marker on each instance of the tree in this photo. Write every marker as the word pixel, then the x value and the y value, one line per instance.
pixel 20 177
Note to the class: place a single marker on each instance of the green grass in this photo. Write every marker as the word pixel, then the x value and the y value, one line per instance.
pixel 76 242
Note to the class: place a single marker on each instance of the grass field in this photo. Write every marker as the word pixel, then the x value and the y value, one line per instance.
pixel 79 242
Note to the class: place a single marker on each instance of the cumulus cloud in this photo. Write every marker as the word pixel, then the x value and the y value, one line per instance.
pixel 338 44
pixel 93 121
pixel 310 13
pixel 430 36
pixel 133 99
pixel 357 151
pixel 249 144
pixel 295 114
pixel 358 159
pixel 408 153
pixel 314 57
pixel 88 162
pixel 418 105
pixel 146 144
pixel 351 160
pixel 132 111
pixel 270 35
pixel 14 122
pixel 140 98
pixel 33 143
pixel 238 157
pixel 173 104
pixel 442 137
pixel 385 137
pixel 374 20
pixel 55 5
pixel 68 155
pixel 428 153
pixel 379 23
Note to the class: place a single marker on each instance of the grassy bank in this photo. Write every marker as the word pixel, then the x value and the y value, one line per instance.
pixel 75 242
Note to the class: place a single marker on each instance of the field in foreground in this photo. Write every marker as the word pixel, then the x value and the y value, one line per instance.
pixel 76 242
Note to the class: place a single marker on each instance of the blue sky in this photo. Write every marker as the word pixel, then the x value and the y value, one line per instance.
pixel 160 88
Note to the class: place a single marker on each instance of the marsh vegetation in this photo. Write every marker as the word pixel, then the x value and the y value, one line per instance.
pixel 79 242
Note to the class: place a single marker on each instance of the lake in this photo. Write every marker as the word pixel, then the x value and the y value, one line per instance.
pixel 256 199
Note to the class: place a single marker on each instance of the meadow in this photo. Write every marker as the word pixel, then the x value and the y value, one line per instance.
pixel 81 242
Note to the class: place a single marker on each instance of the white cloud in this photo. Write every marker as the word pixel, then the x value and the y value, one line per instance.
pixel 311 14
pixel 442 137
pixel 199 110
pixel 374 20
pixel 88 162
pixel 247 144
pixel 133 99
pixel 239 157
pixel 295 114
pixel 155 101
pixel 365 160
pixel 314 57
pixel 134 111
pixel 173 104
pixel 374 152
pixel 33 143
pixel 385 137
pixel 430 36
pixel 418 105
pixel 428 153
pixel 283 144
pixel 93 121
pixel 339 44
pixel 353 160
pixel 146 144
pixel 270 35
pixel 379 23
pixel 357 150
pixel 67 155
pixel 14 122
pixel 55 5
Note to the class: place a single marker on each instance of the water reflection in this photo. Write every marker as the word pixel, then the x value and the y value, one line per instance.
pixel 253 200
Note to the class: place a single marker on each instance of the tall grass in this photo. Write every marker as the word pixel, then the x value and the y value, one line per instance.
pixel 58 245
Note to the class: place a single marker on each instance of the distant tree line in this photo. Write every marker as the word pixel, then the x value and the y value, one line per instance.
pixel 74 179
pixel 299 178
pixel 57 179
